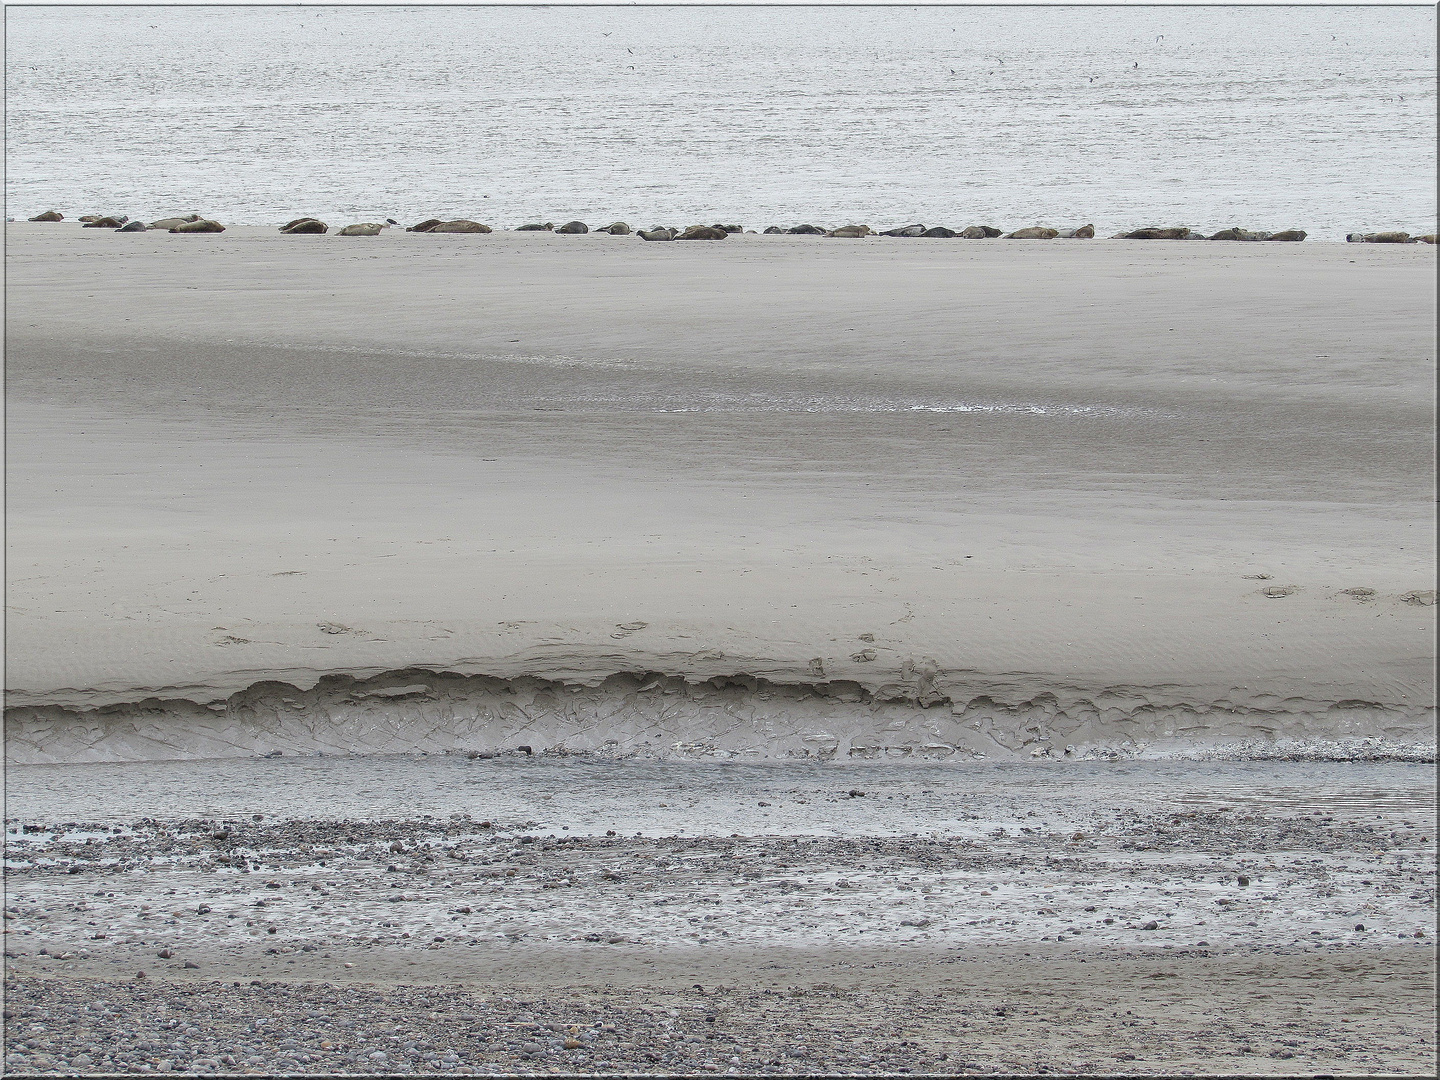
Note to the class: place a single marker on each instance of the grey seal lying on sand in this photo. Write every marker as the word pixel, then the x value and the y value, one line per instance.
pixel 460 225
pixel 1180 233
pixel 171 222
pixel 365 228
pixel 573 228
pixel 979 232
pixel 1379 238
pixel 850 232
pixel 49 215
pixel 1033 232
pixel 703 232
pixel 304 226
pixel 201 226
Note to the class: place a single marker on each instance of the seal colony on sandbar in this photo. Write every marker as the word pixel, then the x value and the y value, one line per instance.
pixel 310 225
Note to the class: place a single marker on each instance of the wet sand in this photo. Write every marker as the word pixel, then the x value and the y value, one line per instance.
pixel 1051 478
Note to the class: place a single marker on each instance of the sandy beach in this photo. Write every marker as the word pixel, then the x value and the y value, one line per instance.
pixel 1054 480
pixel 527 653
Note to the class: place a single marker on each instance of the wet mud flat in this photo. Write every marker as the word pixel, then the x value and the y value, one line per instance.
pixel 846 919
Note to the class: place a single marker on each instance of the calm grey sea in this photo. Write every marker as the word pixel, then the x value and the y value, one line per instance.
pixel 1315 118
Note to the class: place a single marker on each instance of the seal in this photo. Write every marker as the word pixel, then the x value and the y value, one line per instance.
pixel 805 230
pixel 1379 238
pixel 425 226
pixel 703 232
pixel 1034 232
pixel 304 226
pixel 905 230
pixel 573 228
pixel 656 234
pixel 133 226
pixel 105 223
pixel 618 228
pixel 547 227
pixel 201 226
pixel 940 232
pixel 1180 233
pixel 1084 232
pixel 171 222
pixel 366 228
pixel 49 215
pixel 770 230
pixel 850 232
pixel 979 232
pixel 460 225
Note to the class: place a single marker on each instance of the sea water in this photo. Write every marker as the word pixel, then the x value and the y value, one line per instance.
pixel 1268 118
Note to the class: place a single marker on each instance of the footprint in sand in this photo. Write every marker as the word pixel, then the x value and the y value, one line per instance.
pixel 1361 594
pixel 1419 599
pixel 625 629
pixel 864 656
pixel 334 628
pixel 1277 591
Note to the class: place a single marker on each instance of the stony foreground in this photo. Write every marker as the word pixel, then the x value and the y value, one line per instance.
pixel 1074 936
pixel 1282 1014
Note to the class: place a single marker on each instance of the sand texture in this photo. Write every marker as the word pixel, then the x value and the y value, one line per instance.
pixel 1034 493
